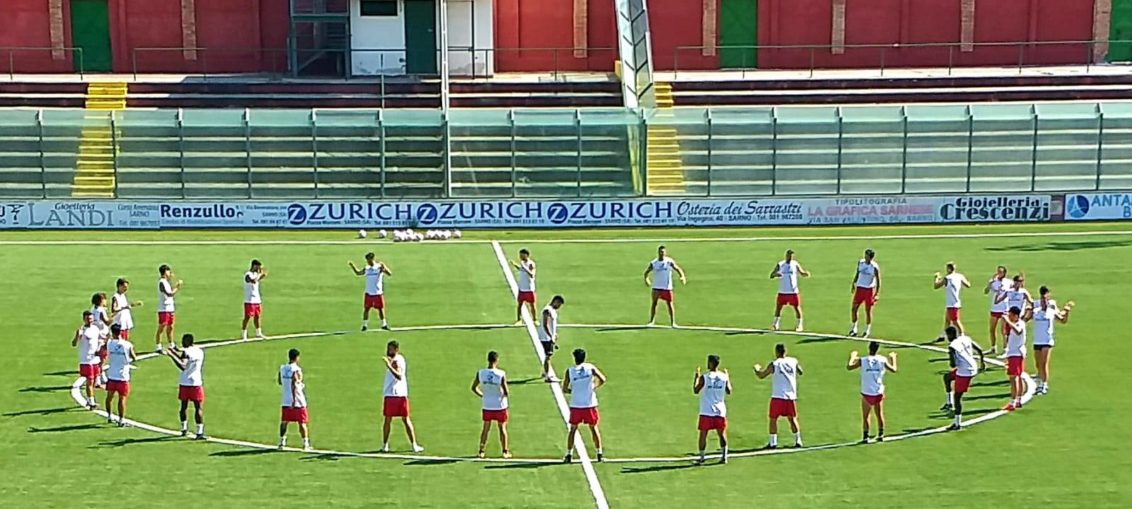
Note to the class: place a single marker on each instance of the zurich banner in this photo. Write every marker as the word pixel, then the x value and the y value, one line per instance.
pixel 1098 206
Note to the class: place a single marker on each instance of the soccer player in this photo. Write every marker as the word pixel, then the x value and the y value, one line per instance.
pixel 190 360
pixel 165 306
pixel 396 395
pixel 1015 355
pixel 121 355
pixel 998 285
pixel 961 352
pixel 88 339
pixel 784 393
pixel 787 271
pixel 1045 314
pixel 953 282
pixel 122 309
pixel 294 400
pixel 253 302
pixel 375 273
pixel 866 290
pixel 581 381
pixel 526 268
pixel 661 283
pixel 1017 296
pixel 102 321
pixel 490 384
pixel 548 336
pixel 713 388
pixel 873 368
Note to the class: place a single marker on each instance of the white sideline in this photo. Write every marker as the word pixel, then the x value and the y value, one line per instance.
pixel 559 397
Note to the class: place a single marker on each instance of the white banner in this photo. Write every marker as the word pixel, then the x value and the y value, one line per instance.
pixel 1098 206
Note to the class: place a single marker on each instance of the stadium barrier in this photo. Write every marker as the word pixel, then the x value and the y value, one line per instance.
pixel 76 214
pixel 1098 206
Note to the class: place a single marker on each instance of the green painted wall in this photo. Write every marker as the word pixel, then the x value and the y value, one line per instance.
pixel 738 26
pixel 90 30
pixel 1121 31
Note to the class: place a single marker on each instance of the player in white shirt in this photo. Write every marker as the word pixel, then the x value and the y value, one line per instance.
pixel 121 357
pixel 1017 296
pixel 998 285
pixel 253 301
pixel 866 290
pixel 88 338
pixel 1015 355
pixel 103 321
pixel 873 367
pixel 961 353
pixel 526 269
pixel 395 392
pixel 190 360
pixel 661 270
pixel 490 384
pixel 581 381
pixel 1045 315
pixel 374 272
pixel 713 388
pixel 783 393
pixel 548 336
pixel 952 283
pixel 294 400
pixel 788 271
pixel 166 316
pixel 121 309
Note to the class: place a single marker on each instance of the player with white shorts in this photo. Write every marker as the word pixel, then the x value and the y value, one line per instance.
pixel 661 270
pixel 873 367
pixel 395 392
pixel 581 381
pixel 713 388
pixel 787 272
pixel 374 272
pixel 952 283
pixel 490 384
pixel 190 360
pixel 783 393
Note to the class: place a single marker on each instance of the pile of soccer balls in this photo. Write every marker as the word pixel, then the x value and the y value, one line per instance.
pixel 410 235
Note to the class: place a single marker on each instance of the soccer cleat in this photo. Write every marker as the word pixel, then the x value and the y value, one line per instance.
pixel 698 461
pixel 650 324
pixel 799 329
pixel 552 379
pixel 568 459
pixel 866 334
pixel 384 448
pixel 954 427
pixel 864 441
pixel 1009 407
pixel 184 433
pixel 518 323
pixel 723 460
pixel 481 455
pixel 880 438
pixel 364 328
pixel 674 326
pixel 259 335
pixel 506 455
pixel 417 448
pixel 798 445
pixel 946 407
pixel 307 448
pixel 121 423
pixel 109 419
pixel 157 349
pixel 852 333
pixel 774 327
pixel 385 327
pixel 199 436
pixel 282 444
pixel 600 457
pixel 770 447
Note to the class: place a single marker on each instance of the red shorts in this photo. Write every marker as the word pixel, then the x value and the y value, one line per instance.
pixel 1014 365
pixel 996 314
pixel 118 386
pixel 298 415
pixel 375 301
pixel 789 299
pixel 165 318
pixel 90 371
pixel 527 297
pixel 499 416
pixel 192 393
pixel 710 422
pixel 251 310
pixel 953 314
pixel 124 334
pixel 584 416
pixel 873 400
pixel 782 408
pixel 395 406
pixel 665 295
pixel 866 296
pixel 962 383
pixel 103 353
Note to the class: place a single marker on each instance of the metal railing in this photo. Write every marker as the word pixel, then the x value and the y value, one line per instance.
pixel 72 55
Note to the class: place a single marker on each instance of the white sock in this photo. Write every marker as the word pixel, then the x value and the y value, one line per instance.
pixel 958 419
pixel 200 429
pixel 365 323
pixel 258 331
pixel 800 323
pixel 854 327
pixel 598 450
pixel 384 323
pixel 950 399
pixel 723 450
pixel 385 445
pixel 306 442
pixel 773 439
pixel 283 441
pixel 798 437
pixel 777 319
pixel 184 425
pixel 244 334
pixel 869 328
pixel 701 454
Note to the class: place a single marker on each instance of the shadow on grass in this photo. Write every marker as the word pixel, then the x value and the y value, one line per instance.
pixel 1002 395
pixel 42 411
pixel 320 457
pixel 667 468
pixel 822 339
pixel 520 465
pixel 62 373
pixel 136 441
pixel 51 388
pixel 426 463
pixel 746 333
pixel 526 381
pixel 917 430
pixel 62 429
pixel 239 453
pixel 939 359
pixel 1063 246
pixel 626 328
pixel 995 383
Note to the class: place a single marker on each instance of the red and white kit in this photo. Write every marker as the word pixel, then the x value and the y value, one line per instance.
pixel 872 378
pixel 494 402
pixel 294 404
pixel 952 284
pixel 191 382
pixel 375 286
pixel 118 368
pixel 253 303
pixel 396 392
pixel 784 388
pixel 1015 349
pixel 713 404
pixel 866 283
pixel 966 367
pixel 527 282
pixel 90 341
pixel 662 270
pixel 165 305
pixel 125 316
pixel 788 294
pixel 583 398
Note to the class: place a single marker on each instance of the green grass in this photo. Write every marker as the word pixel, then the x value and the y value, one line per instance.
pixel 1059 451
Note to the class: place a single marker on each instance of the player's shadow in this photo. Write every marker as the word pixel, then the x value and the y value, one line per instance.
pixel 320 457
pixel 667 468
pixel 239 453
pixel 61 373
pixel 1063 246
pixel 820 339
pixel 426 463
pixel 910 431
pixel 623 328
pixel 521 465
pixel 63 429
pixel 939 359
pixel 42 411
pixel 1002 395
pixel 47 388
pixel 995 383
pixel 526 381
pixel 746 333
pixel 135 441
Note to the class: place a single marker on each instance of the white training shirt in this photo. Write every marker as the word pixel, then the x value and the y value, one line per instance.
pixel 867 274
pixel 872 375
pixel 788 283
pixel 118 355
pixel 965 363
pixel 100 316
pixel 1044 316
pixel 193 374
pixel 1017 298
pixel 526 280
pixel 952 284
pixel 714 394
pixel 1016 341
pixel 582 394
pixel 125 316
pixel 90 339
pixel 491 383
pixel 287 373
pixel 784 384
pixel 375 279
pixel 164 296
pixel 251 290
pixel 999 287
pixel 662 273
pixel 394 387
pixel 549 327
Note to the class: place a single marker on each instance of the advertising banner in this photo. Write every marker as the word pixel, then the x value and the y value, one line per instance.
pixel 1098 206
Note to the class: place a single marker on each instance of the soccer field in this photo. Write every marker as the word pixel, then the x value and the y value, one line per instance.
pixel 450 302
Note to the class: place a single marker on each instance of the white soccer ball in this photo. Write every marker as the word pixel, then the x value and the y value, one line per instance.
pixel 417 237
pixel 381 234
pixel 445 234
pixel 362 234
pixel 457 234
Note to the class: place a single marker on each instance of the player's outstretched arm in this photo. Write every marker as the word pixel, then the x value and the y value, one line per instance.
pixel 854 361
pixel 357 271
pixel 476 386
pixel 762 372
pixel 890 363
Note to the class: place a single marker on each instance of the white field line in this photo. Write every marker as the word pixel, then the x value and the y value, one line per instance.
pixel 555 389
pixel 355 242
pixel 76 394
